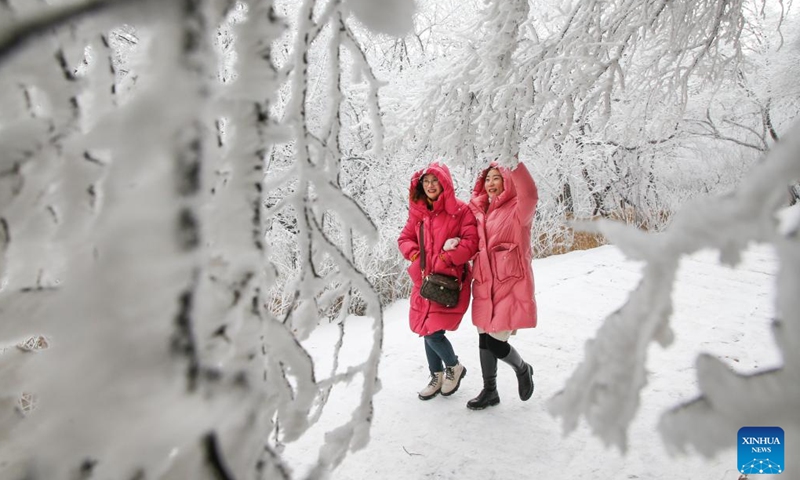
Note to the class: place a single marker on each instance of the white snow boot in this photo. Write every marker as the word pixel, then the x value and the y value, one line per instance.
pixel 452 379
pixel 434 386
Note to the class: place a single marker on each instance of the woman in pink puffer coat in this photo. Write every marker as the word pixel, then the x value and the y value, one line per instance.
pixel 450 241
pixel 504 203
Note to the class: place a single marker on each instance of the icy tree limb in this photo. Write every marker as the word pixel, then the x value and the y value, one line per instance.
pixel 166 320
pixel 597 56
pixel 22 31
pixel 605 387
pixel 327 219
pixel 730 400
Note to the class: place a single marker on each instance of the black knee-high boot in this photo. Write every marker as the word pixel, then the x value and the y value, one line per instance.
pixel 488 395
pixel 524 373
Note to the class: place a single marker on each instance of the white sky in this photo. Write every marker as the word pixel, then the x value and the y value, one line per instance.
pixel 718 310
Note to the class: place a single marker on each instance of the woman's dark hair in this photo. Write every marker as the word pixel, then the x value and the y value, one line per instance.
pixel 489 169
pixel 419 191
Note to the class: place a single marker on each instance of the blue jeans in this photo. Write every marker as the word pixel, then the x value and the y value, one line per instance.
pixel 438 349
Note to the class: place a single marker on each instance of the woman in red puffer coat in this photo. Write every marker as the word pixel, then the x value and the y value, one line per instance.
pixel 447 227
pixel 504 203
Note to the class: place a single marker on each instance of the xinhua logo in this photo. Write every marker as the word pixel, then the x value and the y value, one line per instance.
pixel 761 450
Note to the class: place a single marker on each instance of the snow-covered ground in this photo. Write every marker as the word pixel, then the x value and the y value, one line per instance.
pixel 718 310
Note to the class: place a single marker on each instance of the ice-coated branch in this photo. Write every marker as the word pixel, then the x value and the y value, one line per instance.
pixel 154 200
pixel 605 387
pixel 327 220
pixel 214 457
pixel 600 57
pixel 20 32
pixel 140 268
pixel 373 85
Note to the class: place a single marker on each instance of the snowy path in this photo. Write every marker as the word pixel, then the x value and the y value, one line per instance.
pixel 717 310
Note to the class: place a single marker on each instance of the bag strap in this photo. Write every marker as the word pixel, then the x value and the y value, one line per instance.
pixel 422 248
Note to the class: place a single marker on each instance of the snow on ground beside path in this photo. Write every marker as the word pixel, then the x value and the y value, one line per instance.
pixel 718 310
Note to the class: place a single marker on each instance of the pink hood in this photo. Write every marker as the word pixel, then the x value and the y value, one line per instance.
pixel 447 201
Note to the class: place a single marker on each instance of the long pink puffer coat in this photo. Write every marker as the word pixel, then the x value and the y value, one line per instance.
pixel 449 217
pixel 503 289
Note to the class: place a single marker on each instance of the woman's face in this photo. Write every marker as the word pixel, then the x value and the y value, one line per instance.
pixel 431 186
pixel 493 183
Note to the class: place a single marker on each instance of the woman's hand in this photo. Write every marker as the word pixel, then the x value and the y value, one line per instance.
pixel 451 244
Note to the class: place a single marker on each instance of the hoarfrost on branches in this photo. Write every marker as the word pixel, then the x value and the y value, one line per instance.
pixel 187 188
pixel 539 74
pixel 616 98
pixel 605 387
pixel 136 136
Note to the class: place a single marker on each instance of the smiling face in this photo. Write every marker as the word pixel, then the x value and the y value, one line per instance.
pixel 431 186
pixel 493 183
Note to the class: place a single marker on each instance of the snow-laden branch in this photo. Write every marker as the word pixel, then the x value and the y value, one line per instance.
pixel 519 78
pixel 326 220
pixel 18 33
pixel 605 387
pixel 477 98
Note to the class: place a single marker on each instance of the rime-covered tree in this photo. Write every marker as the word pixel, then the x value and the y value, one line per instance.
pixel 599 87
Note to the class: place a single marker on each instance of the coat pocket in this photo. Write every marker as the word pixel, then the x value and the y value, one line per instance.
pixel 507 264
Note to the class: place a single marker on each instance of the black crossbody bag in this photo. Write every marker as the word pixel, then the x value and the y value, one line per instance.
pixel 437 287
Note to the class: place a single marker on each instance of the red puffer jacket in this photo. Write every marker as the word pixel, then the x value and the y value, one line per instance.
pixel 449 217
pixel 503 288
